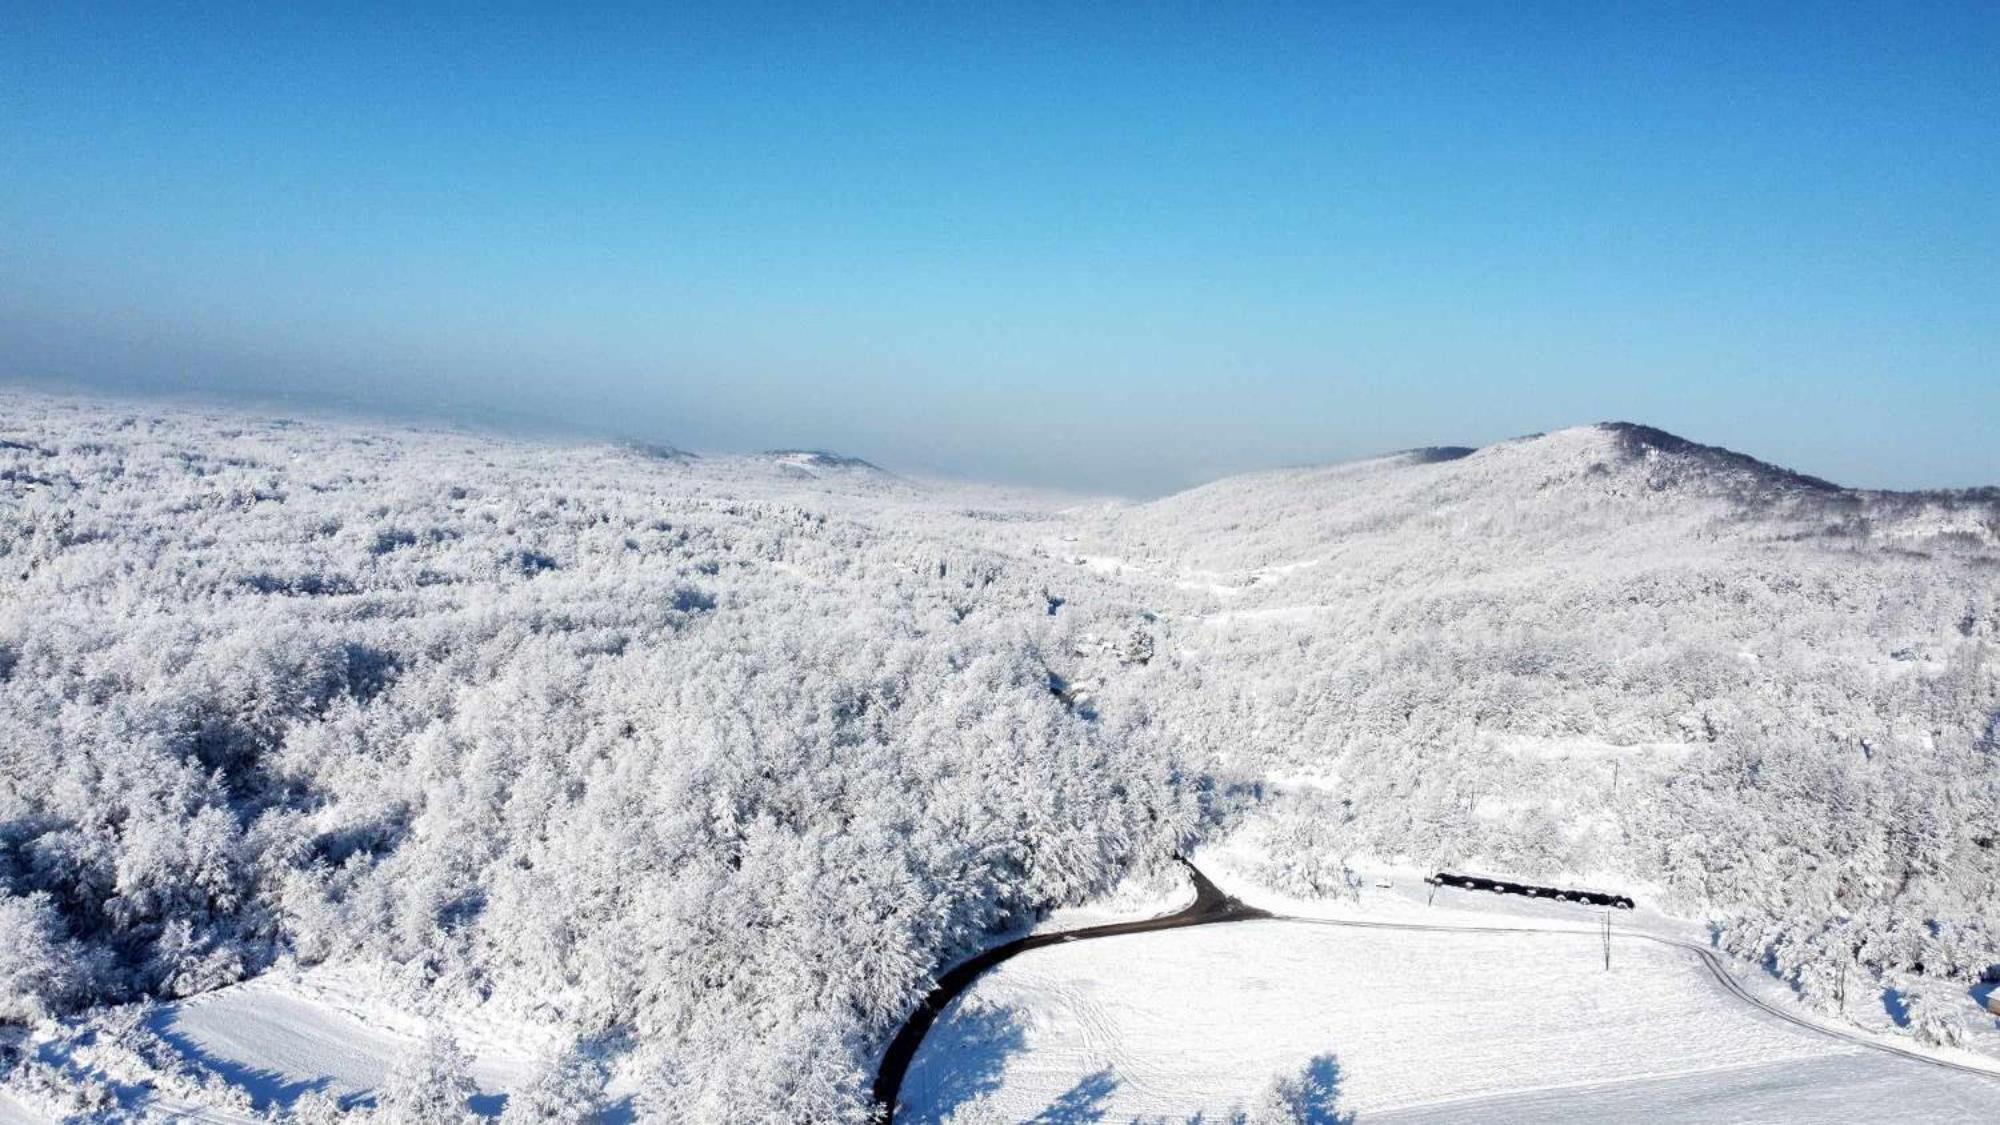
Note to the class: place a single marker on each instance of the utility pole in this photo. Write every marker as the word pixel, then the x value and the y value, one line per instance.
pixel 1432 897
pixel 1607 941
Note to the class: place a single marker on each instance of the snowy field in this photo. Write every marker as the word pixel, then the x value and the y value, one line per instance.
pixel 1396 1026
pixel 264 1049
pixel 278 1037
pixel 255 1049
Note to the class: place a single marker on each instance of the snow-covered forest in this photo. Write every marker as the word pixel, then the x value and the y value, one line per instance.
pixel 1612 654
pixel 712 763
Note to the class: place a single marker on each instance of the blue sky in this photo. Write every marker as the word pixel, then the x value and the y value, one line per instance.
pixel 1109 248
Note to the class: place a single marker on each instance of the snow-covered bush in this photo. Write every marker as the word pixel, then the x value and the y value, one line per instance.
pixel 430 1085
pixel 62 1095
pixel 41 971
pixel 1309 1097
pixel 1936 1011
pixel 566 1089
pixel 1303 841
pixel 317 1107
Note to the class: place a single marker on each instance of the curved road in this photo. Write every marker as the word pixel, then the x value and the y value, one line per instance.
pixel 1211 906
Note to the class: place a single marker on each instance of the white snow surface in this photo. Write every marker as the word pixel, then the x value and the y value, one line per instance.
pixel 331 1030
pixel 1401 1024
pixel 279 1035
pixel 1409 1025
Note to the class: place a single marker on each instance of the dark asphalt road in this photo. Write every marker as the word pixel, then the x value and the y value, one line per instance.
pixel 1210 906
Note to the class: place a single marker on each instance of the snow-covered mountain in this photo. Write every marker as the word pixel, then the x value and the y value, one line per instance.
pixel 817 463
pixel 1611 485
pixel 1608 653
pixel 706 765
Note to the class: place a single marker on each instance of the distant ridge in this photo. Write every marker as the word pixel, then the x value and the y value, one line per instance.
pixel 1597 475
pixel 1634 439
pixel 1435 454
pixel 818 459
pixel 656 451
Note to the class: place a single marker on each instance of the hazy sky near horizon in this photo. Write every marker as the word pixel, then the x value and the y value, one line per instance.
pixel 1102 247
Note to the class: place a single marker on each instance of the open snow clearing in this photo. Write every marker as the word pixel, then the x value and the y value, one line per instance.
pixel 1485 1009
pixel 1403 1021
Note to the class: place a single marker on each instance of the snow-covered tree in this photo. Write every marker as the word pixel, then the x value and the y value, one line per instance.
pixel 431 1084
pixel 567 1088
pixel 42 973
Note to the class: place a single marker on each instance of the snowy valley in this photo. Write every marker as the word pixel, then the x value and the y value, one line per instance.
pixel 353 769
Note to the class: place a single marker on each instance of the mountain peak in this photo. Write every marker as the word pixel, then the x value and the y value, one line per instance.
pixel 1635 440
pixel 819 458
pixel 655 451
pixel 813 462
pixel 1435 454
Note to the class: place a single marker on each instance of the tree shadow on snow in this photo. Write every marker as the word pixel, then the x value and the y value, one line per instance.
pixel 1309 1097
pixel 1082 1102
pixel 1319 1096
pixel 1898 1008
pixel 1982 995
pixel 268 1089
pixel 965 1055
